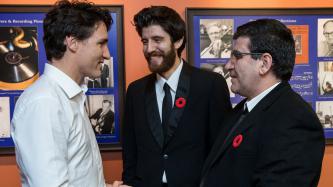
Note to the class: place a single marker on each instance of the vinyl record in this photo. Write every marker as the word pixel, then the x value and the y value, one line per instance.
pixel 18 66
pixel 18 54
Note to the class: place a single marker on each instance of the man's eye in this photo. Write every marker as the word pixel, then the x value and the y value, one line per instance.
pixel 236 54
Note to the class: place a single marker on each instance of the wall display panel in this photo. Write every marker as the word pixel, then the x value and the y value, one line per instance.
pixel 210 33
pixel 22 61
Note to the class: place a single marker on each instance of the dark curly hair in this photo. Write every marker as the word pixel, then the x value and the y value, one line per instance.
pixel 167 18
pixel 75 18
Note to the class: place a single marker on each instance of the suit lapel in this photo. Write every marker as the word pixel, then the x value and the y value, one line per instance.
pixel 216 150
pixel 182 92
pixel 222 143
pixel 248 122
pixel 152 113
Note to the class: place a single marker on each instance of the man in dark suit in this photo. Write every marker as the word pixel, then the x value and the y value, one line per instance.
pixel 104 119
pixel 173 114
pixel 104 75
pixel 273 138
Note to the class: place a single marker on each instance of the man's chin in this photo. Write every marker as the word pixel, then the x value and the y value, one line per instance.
pixel 154 67
pixel 154 70
pixel 95 76
pixel 159 70
pixel 234 88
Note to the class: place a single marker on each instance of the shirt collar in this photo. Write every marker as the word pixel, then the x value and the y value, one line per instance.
pixel 173 79
pixel 253 102
pixel 70 87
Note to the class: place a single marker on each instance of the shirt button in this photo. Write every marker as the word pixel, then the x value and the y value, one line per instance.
pixel 165 156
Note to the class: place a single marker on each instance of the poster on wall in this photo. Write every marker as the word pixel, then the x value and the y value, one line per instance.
pixel 22 61
pixel 210 33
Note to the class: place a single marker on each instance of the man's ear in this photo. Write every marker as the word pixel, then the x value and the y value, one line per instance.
pixel 266 63
pixel 178 43
pixel 71 43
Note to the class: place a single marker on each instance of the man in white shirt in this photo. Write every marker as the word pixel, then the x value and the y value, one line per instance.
pixel 54 142
pixel 273 137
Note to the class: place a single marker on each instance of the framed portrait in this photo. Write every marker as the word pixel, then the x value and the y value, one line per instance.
pixel 210 32
pixel 22 61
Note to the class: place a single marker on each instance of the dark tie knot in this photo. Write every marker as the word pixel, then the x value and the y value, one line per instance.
pixel 166 87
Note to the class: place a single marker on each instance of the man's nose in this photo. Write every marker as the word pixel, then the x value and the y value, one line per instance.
pixel 151 47
pixel 229 64
pixel 106 53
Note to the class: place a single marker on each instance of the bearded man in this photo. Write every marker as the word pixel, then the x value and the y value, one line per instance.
pixel 173 114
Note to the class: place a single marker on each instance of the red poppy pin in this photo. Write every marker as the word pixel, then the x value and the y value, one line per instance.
pixel 180 102
pixel 237 141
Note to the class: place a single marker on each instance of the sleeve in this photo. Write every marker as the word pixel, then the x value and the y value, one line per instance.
pixel 40 135
pixel 129 142
pixel 97 114
pixel 220 107
pixel 292 154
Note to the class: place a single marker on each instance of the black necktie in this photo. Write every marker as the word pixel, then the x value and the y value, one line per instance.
pixel 166 108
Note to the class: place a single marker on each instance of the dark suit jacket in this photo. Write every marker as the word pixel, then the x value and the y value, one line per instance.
pixel 106 124
pixel 283 145
pixel 191 132
pixel 104 76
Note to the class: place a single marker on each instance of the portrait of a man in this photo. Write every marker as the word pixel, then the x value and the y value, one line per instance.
pixel 325 37
pixel 215 38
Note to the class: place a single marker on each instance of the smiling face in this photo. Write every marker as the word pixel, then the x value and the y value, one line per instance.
pixel 158 49
pixel 92 52
pixel 214 33
pixel 244 71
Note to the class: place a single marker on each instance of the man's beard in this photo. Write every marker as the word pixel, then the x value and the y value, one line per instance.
pixel 167 62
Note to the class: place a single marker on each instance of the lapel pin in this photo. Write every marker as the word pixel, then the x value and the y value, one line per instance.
pixel 237 141
pixel 180 102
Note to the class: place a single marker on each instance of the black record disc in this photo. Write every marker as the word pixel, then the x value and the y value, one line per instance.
pixel 18 66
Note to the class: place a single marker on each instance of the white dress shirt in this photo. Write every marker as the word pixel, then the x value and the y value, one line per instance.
pixel 54 142
pixel 173 83
pixel 253 102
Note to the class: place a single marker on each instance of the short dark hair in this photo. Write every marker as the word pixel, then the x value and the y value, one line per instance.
pixel 167 18
pixel 273 37
pixel 75 18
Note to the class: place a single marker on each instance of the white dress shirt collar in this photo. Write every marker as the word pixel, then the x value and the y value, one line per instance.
pixel 253 102
pixel 70 87
pixel 172 81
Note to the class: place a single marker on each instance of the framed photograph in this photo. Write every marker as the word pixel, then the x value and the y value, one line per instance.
pixel 22 61
pixel 210 32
